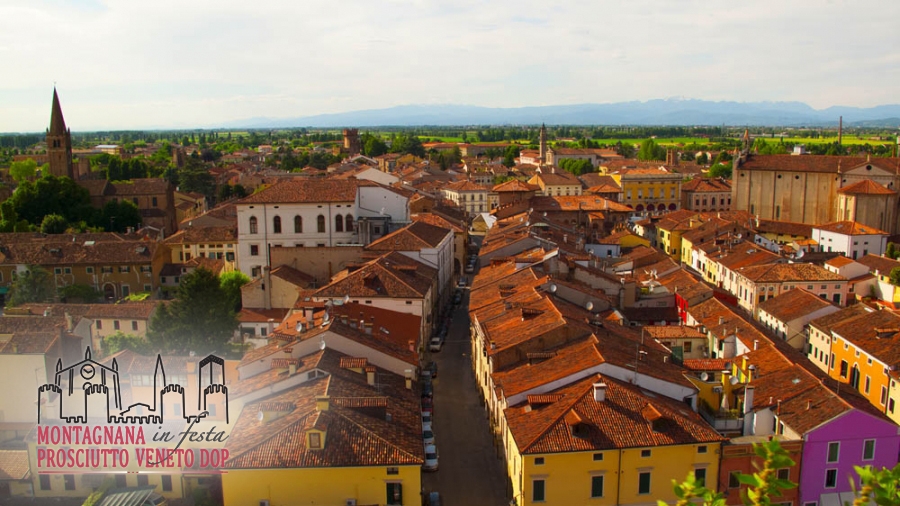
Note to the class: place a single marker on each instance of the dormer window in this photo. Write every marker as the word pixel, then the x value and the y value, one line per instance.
pixel 315 440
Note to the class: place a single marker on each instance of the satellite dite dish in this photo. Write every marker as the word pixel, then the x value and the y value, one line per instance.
pixel 346 299
pixel 704 376
pixel 552 288
pixel 734 380
pixel 589 305
pixel 260 416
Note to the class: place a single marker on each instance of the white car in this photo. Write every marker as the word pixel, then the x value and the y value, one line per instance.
pixel 428 436
pixel 426 418
pixel 431 458
pixel 435 344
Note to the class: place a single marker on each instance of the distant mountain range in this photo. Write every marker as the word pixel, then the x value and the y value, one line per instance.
pixel 652 112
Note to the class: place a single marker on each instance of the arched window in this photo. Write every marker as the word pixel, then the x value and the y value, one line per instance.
pixel 298 224
pixel 276 225
pixel 349 223
pixel 253 225
pixel 338 223
pixel 320 222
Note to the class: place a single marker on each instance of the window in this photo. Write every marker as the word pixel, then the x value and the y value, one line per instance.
pixel 883 395
pixel 276 225
pixel 155 202
pixel 254 226
pixel 143 480
pixel 688 346
pixel 57 270
pixel 596 486
pixel 645 453
pixel 701 449
pixel 126 290
pixel 70 481
pixel 539 461
pixel 315 440
pixel 89 270
pixel 349 223
pixel 733 481
pixel 834 451
pixel 45 481
pixel 598 457
pixel 338 223
pixel 869 449
pixel 831 478
pixel 644 482
pixel 784 473
pixel 134 325
pixel 298 224
pixel 254 250
pixel 700 476
pixel 394 493
pixel 166 482
pixel 115 324
pixel 320 224
pixel 393 470
pixel 844 367
pixel 99 324
pixel 868 381
pixel 537 491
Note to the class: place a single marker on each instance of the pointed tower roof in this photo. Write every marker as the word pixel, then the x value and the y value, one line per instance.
pixel 57 122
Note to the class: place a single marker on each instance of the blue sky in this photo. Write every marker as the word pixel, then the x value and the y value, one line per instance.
pixel 122 64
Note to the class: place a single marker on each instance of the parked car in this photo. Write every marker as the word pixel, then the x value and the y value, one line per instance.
pixel 435 344
pixel 427 391
pixel 431 458
pixel 469 269
pixel 428 436
pixel 428 405
pixel 426 418
pixel 457 297
pixel 432 368
pixel 433 499
pixel 462 282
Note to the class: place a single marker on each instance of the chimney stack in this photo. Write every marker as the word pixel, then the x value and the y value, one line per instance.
pixel 748 398
pixel 599 392
pixel 408 379
pixel 292 369
pixel 370 375
pixel 270 325
pixel 322 402
pixel 368 328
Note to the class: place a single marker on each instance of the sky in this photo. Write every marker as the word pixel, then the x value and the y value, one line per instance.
pixel 124 64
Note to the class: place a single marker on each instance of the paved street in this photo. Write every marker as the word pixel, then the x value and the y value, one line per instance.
pixel 470 472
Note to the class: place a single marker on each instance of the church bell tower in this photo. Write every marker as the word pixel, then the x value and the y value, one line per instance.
pixel 59 142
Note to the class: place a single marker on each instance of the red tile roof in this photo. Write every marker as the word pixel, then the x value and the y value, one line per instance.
pixel 793 304
pixel 302 190
pixel 576 422
pixel 391 275
pixel 14 465
pixel 413 237
pixel 850 228
pixel 866 187
pixel 815 163
pixel 779 273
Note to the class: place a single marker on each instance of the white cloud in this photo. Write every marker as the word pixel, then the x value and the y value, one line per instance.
pixel 126 64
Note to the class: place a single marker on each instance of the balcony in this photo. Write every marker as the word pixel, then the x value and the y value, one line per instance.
pixel 723 420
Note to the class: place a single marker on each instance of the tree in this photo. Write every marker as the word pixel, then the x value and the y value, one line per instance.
pixel 85 294
pixel 895 276
pixel 408 143
pixel 54 224
pixel 892 251
pixel 651 151
pixel 231 283
pixel 576 166
pixel 118 216
pixel 721 170
pixel 201 318
pixel 373 145
pixel 52 195
pixel 33 285
pixel 120 341
pixel 23 170
pixel 9 218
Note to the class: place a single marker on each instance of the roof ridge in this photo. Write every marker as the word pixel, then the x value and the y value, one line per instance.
pixel 565 411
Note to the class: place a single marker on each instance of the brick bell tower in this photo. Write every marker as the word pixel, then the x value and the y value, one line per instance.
pixel 59 142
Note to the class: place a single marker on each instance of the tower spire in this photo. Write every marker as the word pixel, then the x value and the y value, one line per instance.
pixel 57 122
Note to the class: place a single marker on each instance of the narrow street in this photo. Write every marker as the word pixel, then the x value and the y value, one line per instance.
pixel 470 472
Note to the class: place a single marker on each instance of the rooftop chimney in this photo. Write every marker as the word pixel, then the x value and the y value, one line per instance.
pixel 322 402
pixel 270 325
pixel 721 320
pixel 370 375
pixel 599 392
pixel 292 369
pixel 408 379
pixel 748 409
pixel 368 328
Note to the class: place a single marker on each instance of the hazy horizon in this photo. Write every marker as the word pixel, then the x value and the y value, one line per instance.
pixel 119 65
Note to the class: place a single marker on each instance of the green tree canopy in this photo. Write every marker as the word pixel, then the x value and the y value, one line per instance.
pixel 721 170
pixel 54 224
pixel 22 170
pixel 231 283
pixel 52 195
pixel 408 143
pixel 201 318
pixel 372 145
pixel 576 166
pixel 121 341
pixel 77 293
pixel 33 285
pixel 651 151
pixel 118 216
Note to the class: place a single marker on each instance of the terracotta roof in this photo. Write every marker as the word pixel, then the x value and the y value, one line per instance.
pixel 14 465
pixel 673 332
pixel 793 304
pixel 877 333
pixel 880 264
pixel 706 364
pixel 566 360
pixel 784 227
pixel 814 163
pixel 30 343
pixel 293 276
pixel 301 190
pixel 576 422
pixel 866 187
pixel 594 179
pixel 685 285
pixel 839 261
pixel 413 237
pixel 701 185
pixel 577 202
pixel 515 186
pixel 259 315
pixel 356 433
pixel 125 310
pixel 779 273
pixel 203 235
pixel 827 322
pixel 850 228
pixel 51 252
pixel 465 186
pixel 391 275
pixel 438 221
pixel 558 178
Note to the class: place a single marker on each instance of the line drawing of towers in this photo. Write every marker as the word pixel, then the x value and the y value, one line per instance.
pixel 158 386
pixel 79 383
pixel 211 384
